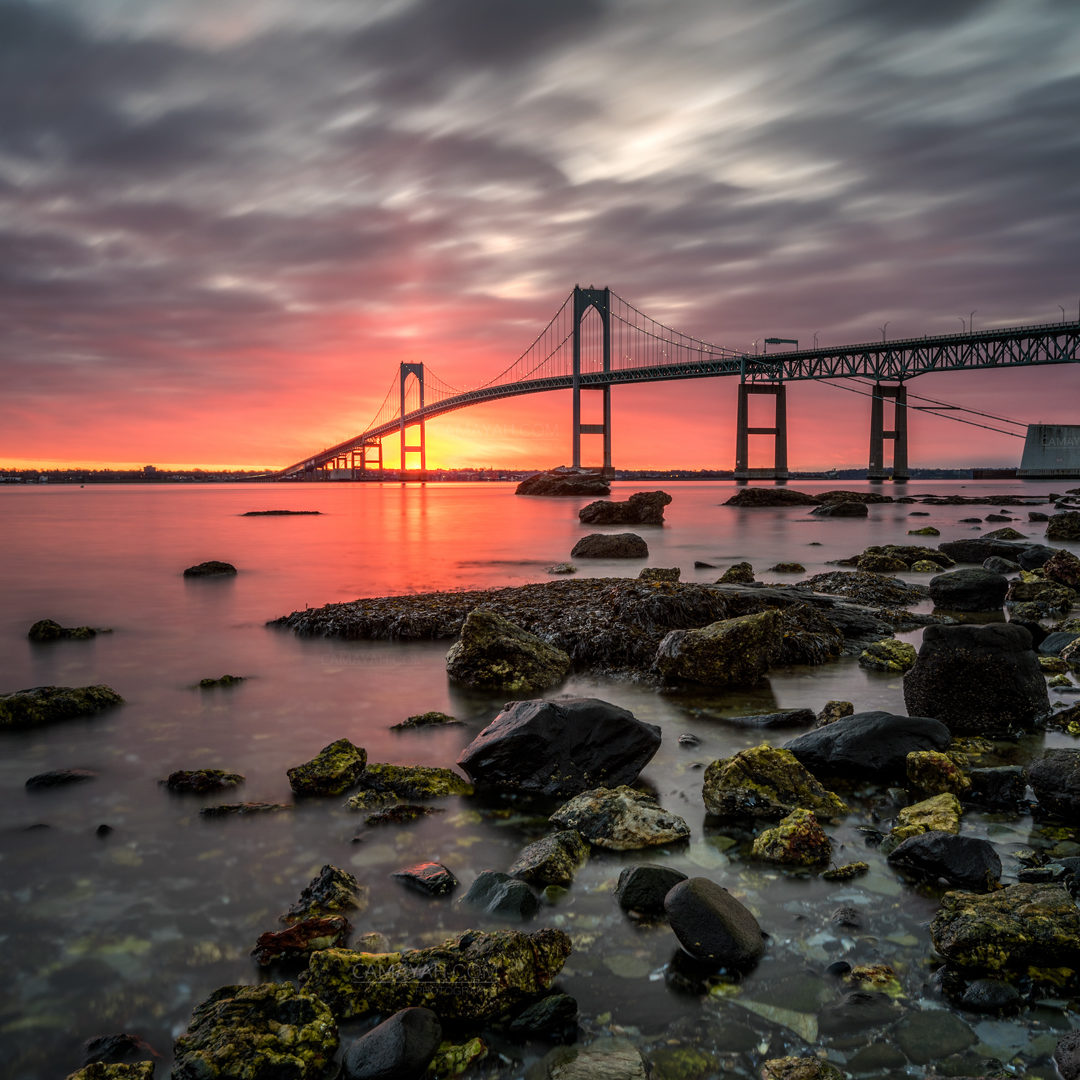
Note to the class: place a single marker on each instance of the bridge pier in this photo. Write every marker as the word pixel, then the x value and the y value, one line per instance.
pixel 898 434
pixel 416 370
pixel 778 431
pixel 584 299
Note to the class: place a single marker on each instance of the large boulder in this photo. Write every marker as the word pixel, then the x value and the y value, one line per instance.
pixel 774 496
pixel 713 925
pixel 1055 779
pixel 495 654
pixel 1064 526
pixel 620 819
pixel 402 1046
pixel 1064 567
pixel 729 652
pixel 332 771
pixel 868 745
pixel 563 482
pixel 504 968
pixel 765 782
pixel 51 704
pixel 969 590
pixel 610 546
pixel 560 747
pixel 967 862
pixel 642 508
pixel 977 680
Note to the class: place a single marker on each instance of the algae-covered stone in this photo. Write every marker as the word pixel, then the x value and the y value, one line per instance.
pixel 552 860
pixel 797 841
pixel 924 566
pixel 931 772
pixel 846 872
pixel 799 1068
pixel 267 1032
pixel 740 573
pixel 301 939
pixel 46 630
pixel 50 704
pixel 432 718
pixel 659 575
pixel 938 814
pixel 765 782
pixel 332 891
pixel 406 782
pixel 100 1070
pixel 682 1062
pixel 888 655
pixel 734 651
pixel 788 568
pixel 832 711
pixel 880 564
pixel 1013 930
pixel 495 654
pixel 476 976
pixel 332 771
pixel 200 781
pixel 452 1059
pixel 620 819
pixel 926 530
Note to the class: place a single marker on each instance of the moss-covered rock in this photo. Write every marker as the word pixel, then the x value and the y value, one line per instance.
pixel 405 782
pixel 267 1032
pixel 740 573
pixel 846 872
pixel 46 630
pixel 200 781
pixel 788 568
pixel 332 891
pixel 924 566
pixel 888 655
pixel 799 840
pixel 222 680
pixel 476 976
pixel 729 652
pixel 938 814
pixel 1053 597
pixel 495 654
pixel 659 575
pixel 99 1070
pixel 620 819
pixel 452 1059
pixel 930 772
pixel 880 564
pixel 332 771
pixel 683 1062
pixel 765 782
pixel 926 530
pixel 799 1068
pixel 433 718
pixel 552 860
pixel 1053 665
pixel 51 704
pixel 832 711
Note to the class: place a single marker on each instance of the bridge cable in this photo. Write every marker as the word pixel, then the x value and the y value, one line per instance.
pixel 962 408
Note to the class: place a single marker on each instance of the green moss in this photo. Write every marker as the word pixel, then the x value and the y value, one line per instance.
pixel 452 1059
pixel 797 841
pixel 414 781
pixel 926 530
pixel 50 704
pixel 845 872
pixel 494 653
pixel 140 1070
pixel 938 814
pixel 332 771
pixel 1052 664
pixel 925 566
pixel 930 772
pixel 682 1063
pixel 740 573
pixel 799 1068
pixel 878 977
pixel 889 655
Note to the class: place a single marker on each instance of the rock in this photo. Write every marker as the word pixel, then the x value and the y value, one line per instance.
pixel 845 872
pixel 51 704
pixel 267 1032
pixel 561 568
pixel 740 573
pixel 841 510
pixel 990 996
pixel 797 841
pixel 551 860
pixel 642 508
pixel 998 788
pixel 939 813
pixel 99 1070
pixel 930 772
pixel 301 939
pixel 213 568
pixel 767 783
pixel 868 745
pixel 331 892
pixel 605 1059
pixel 59 778
pixel 46 630
pixel 495 654
pixel 223 680
pixel 1037 515
pixel 979 549
pixel 785 718
pixel 332 771
pixel 200 781
pixel 977 680
pixel 1051 597
pixel 400 1048
pixel 700 564
pixel 1064 567
pixel 1055 779
pixel 888 655
pixel 712 925
pixel 1003 534
pixel 555 1014
pixel 832 711
pixel 928 1036
pixel 620 819
pixel 799 1068
pixel 560 747
pixel 501 896
pixel 968 590
pixel 564 482
pixel 728 652
pixel 641 889
pixel 1035 556
pixel 279 513
pixel 881 564
pixel 119 1049
pixel 401 814
pixel 788 568
pixel 857 1012
pixel 1009 931
pixel 1067 1056
pixel 997 565
pixel 429 878
pixel 827 497
pixel 966 862
pixel 1064 526
pixel 774 496
pixel 243 809
pixel 658 575
pixel 926 530
pixel 504 968
pixel 865 588
pixel 384 783
pixel 610 546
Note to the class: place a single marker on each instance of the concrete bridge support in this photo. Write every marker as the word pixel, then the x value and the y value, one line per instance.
pixel 778 431
pixel 584 299
pixel 898 434
pixel 416 370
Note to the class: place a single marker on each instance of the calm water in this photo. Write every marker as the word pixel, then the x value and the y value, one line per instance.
pixel 128 932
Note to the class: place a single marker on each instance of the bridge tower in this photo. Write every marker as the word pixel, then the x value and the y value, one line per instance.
pixel 778 391
pixel 898 434
pixel 584 299
pixel 416 370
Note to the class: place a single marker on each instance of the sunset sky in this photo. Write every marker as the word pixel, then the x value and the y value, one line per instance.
pixel 223 223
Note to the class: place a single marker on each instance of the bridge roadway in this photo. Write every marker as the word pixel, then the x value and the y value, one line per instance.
pixel 885 361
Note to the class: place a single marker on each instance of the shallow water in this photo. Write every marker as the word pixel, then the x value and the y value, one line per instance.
pixel 129 931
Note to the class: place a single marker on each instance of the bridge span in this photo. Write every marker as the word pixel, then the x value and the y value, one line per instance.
pixel 596 341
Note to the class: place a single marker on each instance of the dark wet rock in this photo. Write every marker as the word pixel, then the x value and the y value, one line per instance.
pixel 59 778
pixel 494 653
pixel 332 891
pixel 1003 534
pixel 977 549
pixel 221 681
pixel 610 546
pixel 1058 640
pixel 426 720
pixel 278 513
pixel 642 508
pixel 213 568
pixel 971 521
pixel 999 787
pixel 505 968
pixel 429 878
pixel 301 939
pixel 400 1048
pixel 1035 556
pixel 729 652
pixel 200 781
pixel 243 809
pixel 841 510
pixel 966 862
pixel 847 918
pixel 969 590
pixel 868 745
pixel 401 814
pixel 564 482
pixel 767 783
pixel 774 496
pixel 332 771
pixel 977 680
pixel 857 1011
pixel 51 704
pixel 787 568
pixel 1064 526
pixel 267 1032
pixel 871 589
pixel 382 784
pixel 659 575
pixel 798 840
pixel 551 860
pixel 1010 931
pixel 888 655
pixel 785 718
pixel 997 565
pixel 700 564
pixel 740 573
pixel 1037 631
pixel 688 738
pixel 1064 567
pixel 553 1015
pixel 99 1070
pixel 929 1035
pixel 641 889
pixel 1067 1056
pixel 1055 779
pixel 501 896
pixel 620 819
pixel 926 530
pixel 46 630
pixel 990 996
pixel 713 925
pixel 560 747
pixel 120 1049
pixel 799 1068
pixel 1037 515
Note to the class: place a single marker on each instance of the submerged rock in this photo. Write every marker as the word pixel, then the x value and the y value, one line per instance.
pixel 552 860
pixel 332 891
pixel 610 546
pixel 222 680
pixel 729 652
pixel 267 1032
pixel 400 1048
pixel 564 482
pixel 51 704
pixel 302 938
pixel 641 889
pixel 555 1014
pixel 200 781
pixel 798 840
pixel 620 819
pixel 642 508
pixel 713 925
pixel 501 896
pixel 495 654
pixel 799 1068
pixel 401 814
pixel 846 509
pixel 332 771
pixel 59 778
pixel 100 1070
pixel 213 568
pixel 966 862
pixel 46 630
pixel 476 976
pixel 1055 779
pixel 243 809
pixel 772 496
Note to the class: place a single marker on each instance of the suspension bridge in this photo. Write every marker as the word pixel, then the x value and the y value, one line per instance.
pixel 596 340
